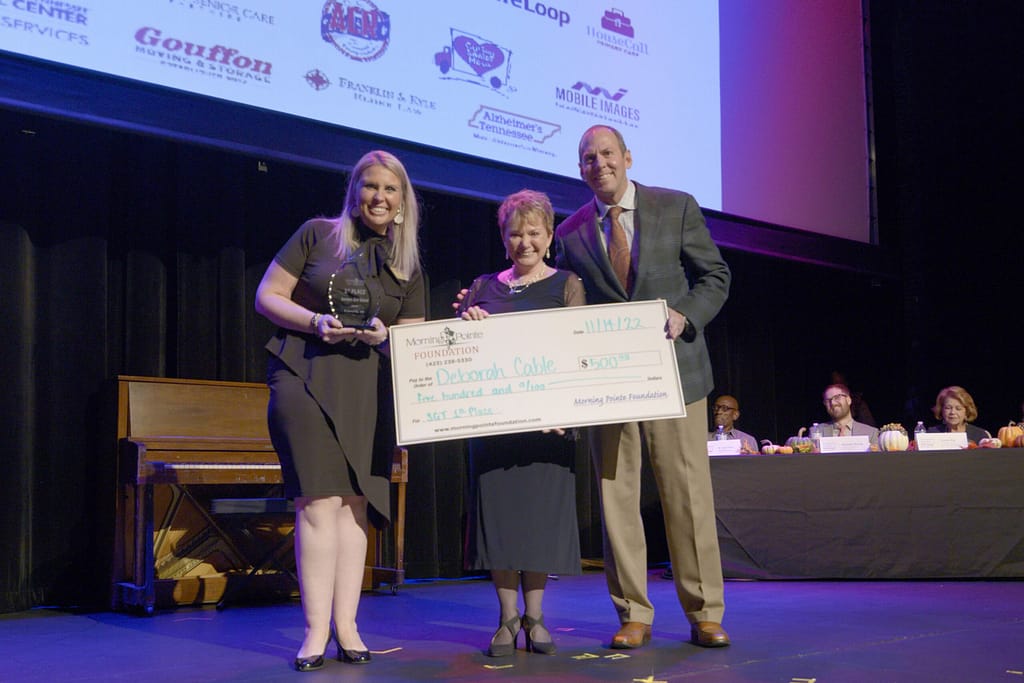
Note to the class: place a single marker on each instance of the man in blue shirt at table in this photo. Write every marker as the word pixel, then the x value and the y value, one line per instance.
pixel 725 412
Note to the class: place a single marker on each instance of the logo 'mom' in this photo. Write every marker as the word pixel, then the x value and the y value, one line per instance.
pixel 580 85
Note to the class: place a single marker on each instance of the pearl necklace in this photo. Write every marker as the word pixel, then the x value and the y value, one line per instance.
pixel 515 286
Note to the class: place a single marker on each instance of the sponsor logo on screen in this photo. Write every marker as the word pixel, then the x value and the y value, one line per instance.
pixel 474 59
pixel 512 129
pixel 357 28
pixel 597 100
pixel 372 95
pixel 212 60
pixel 227 10
pixel 615 30
pixel 48 19
pixel 317 79
pixel 540 9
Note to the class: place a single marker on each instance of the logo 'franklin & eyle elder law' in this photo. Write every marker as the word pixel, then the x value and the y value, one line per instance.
pixel 357 28
pixel 317 79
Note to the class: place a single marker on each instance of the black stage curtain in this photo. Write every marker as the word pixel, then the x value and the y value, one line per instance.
pixel 125 254
pixel 131 255
pixel 139 256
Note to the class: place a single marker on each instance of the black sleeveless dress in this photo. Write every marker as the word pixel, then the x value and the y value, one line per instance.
pixel 330 414
pixel 522 504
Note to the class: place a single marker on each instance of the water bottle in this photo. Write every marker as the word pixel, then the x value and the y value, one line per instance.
pixel 720 433
pixel 919 429
pixel 816 437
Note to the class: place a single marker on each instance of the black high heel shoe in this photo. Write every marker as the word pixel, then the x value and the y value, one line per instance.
pixel 351 656
pixel 505 649
pixel 311 663
pixel 544 647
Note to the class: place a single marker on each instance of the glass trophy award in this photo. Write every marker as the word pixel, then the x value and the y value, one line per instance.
pixel 349 298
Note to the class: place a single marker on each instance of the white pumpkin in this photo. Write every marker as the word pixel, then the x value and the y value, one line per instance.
pixel 893 437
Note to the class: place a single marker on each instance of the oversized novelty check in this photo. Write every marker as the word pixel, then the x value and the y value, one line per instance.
pixel 519 372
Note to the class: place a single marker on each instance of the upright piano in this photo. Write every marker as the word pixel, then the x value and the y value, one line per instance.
pixel 182 444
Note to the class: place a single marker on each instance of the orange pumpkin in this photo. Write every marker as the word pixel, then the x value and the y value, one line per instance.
pixel 1008 434
pixel 1019 442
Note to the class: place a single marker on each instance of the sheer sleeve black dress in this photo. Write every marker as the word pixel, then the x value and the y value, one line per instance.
pixel 330 404
pixel 522 504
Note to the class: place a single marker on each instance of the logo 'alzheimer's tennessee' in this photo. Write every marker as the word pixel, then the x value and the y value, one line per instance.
pixel 356 27
pixel 512 126
pixel 587 99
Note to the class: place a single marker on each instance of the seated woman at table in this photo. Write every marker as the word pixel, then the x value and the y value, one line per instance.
pixel 521 523
pixel 955 408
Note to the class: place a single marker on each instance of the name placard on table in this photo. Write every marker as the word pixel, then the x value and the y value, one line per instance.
pixel 725 447
pixel 533 370
pixel 844 444
pixel 941 441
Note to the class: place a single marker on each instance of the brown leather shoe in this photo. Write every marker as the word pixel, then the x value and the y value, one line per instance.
pixel 633 634
pixel 708 634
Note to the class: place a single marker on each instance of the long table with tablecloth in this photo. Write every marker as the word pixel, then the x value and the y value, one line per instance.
pixel 903 515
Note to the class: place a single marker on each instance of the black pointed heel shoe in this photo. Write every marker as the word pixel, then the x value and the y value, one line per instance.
pixel 505 649
pixel 354 656
pixel 313 663
pixel 351 656
pixel 309 663
pixel 530 626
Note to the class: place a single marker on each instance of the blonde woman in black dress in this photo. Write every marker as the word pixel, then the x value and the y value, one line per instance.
pixel 333 290
pixel 522 518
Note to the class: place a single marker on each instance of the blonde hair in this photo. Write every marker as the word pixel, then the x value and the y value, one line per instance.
pixel 523 205
pixel 960 394
pixel 402 236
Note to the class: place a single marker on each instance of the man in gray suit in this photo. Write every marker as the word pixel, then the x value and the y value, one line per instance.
pixel 660 249
pixel 838 403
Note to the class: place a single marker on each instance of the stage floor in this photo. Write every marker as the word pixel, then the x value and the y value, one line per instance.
pixel 782 632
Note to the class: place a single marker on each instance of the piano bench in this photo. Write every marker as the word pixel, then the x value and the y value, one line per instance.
pixel 244 510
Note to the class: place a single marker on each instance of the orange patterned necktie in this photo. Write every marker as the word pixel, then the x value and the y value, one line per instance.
pixel 618 247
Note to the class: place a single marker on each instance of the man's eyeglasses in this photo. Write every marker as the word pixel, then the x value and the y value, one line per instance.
pixel 836 397
pixel 722 409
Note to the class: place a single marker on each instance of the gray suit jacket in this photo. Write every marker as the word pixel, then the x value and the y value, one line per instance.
pixel 674 258
pixel 856 429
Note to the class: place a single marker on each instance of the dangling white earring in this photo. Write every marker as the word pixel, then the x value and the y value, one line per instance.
pixel 398 217
pixel 547 254
pixel 354 212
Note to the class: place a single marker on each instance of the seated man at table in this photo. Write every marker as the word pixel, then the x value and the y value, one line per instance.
pixel 837 402
pixel 725 412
